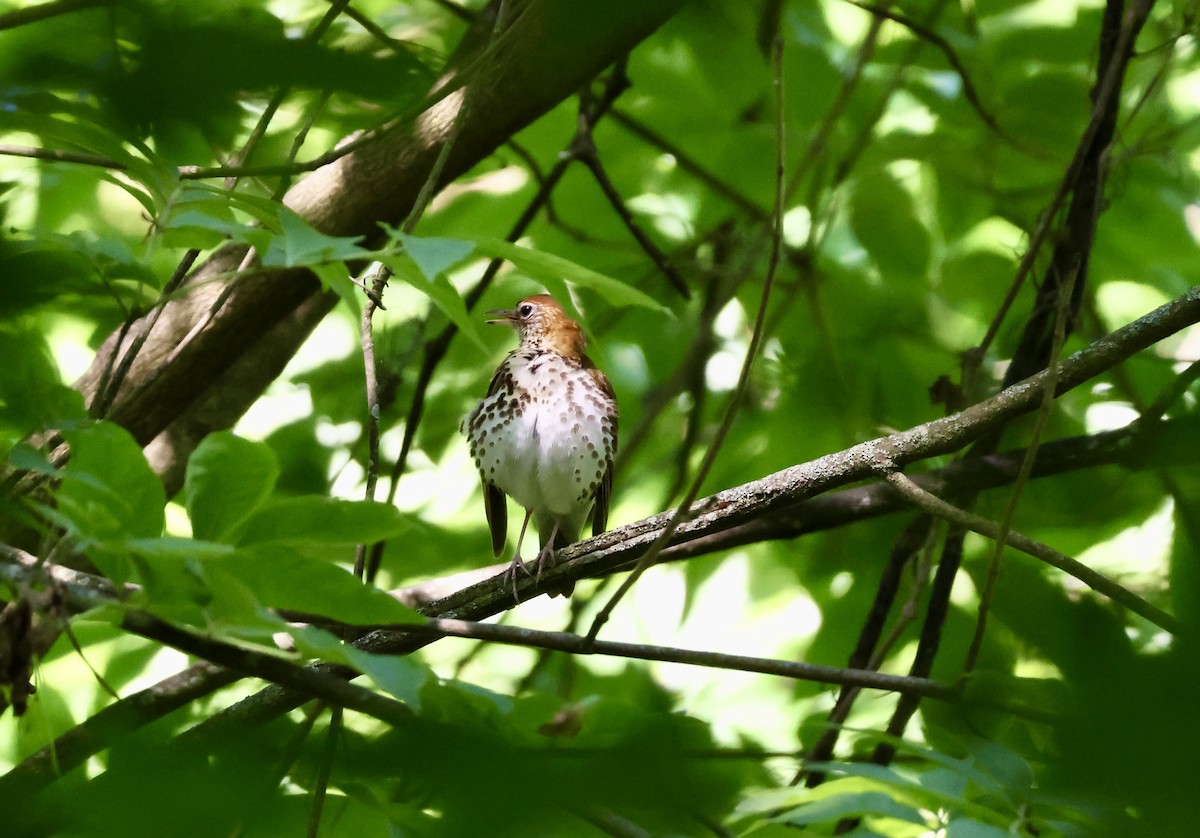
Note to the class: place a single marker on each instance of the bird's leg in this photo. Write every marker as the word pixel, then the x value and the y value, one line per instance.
pixel 546 554
pixel 517 563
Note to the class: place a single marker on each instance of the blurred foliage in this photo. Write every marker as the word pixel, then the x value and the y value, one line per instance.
pixel 906 217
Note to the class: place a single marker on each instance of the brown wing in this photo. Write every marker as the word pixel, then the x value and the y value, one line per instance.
pixel 604 491
pixel 600 510
pixel 495 506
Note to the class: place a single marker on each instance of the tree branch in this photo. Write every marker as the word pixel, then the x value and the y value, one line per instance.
pixel 579 645
pixel 225 368
pixel 977 523
pixel 730 507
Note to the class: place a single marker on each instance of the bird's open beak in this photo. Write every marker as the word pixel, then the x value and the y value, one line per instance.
pixel 503 315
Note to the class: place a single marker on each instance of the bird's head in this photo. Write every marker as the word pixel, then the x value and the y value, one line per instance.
pixel 541 323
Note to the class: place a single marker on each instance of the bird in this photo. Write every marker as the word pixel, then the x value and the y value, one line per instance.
pixel 545 434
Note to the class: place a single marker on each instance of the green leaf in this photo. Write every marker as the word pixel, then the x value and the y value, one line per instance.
pixel 402 676
pixel 298 244
pixel 971 828
pixel 321 520
pixel 336 276
pixel 433 256
pixel 170 571
pixel 109 492
pixel 551 268
pixel 444 295
pixel 860 804
pixel 25 456
pixel 227 479
pixel 209 224
pixel 32 395
pixel 279 577
pixel 883 217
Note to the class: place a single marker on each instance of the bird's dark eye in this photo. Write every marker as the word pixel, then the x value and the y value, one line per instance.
pixel 525 309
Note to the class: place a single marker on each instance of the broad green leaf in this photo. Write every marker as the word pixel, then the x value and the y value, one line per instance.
pixel 298 244
pixel 278 577
pixel 971 828
pixel 227 479
pixel 444 295
pixel 261 209
pixel 25 456
pixel 884 219
pixel 401 675
pixel 61 272
pixel 321 520
pixel 109 493
pixel 171 574
pixel 32 395
pixel 548 267
pixel 174 547
pixel 861 804
pixel 433 256
pixel 336 276
pixel 213 227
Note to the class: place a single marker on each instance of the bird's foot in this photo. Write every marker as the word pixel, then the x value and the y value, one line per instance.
pixel 515 566
pixel 545 558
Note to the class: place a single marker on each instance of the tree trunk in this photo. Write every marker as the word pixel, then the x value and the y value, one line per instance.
pixel 228 334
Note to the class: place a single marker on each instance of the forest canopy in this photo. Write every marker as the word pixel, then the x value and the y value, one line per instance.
pixel 897 301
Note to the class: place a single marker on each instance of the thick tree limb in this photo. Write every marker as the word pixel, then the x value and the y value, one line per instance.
pixel 731 507
pixel 618 548
pixel 213 377
pixel 1134 446
pixel 776 494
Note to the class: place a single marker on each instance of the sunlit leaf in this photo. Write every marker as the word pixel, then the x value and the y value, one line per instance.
pixel 298 244
pixel 278 577
pixel 109 492
pixel 547 266
pixel 403 677
pixel 439 290
pixel 320 520
pixel 228 478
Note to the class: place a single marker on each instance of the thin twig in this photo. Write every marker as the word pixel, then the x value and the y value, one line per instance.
pixel 685 506
pixel 321 787
pixel 60 155
pixel 1035 439
pixel 1170 394
pixel 991 529
pixel 580 645
pixel 362 568
pixel 1103 100
pixel 584 150
pixel 312 682
pixel 972 95
pixel 815 146
pixel 109 387
pixel 366 330
pixel 691 165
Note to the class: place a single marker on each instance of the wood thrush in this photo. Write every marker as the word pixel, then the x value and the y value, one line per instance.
pixel 545 434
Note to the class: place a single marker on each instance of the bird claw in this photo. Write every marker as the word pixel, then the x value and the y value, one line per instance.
pixel 545 558
pixel 511 572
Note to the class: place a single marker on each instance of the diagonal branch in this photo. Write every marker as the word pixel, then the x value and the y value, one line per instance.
pixel 785 488
pixel 1098 582
pixel 226 367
